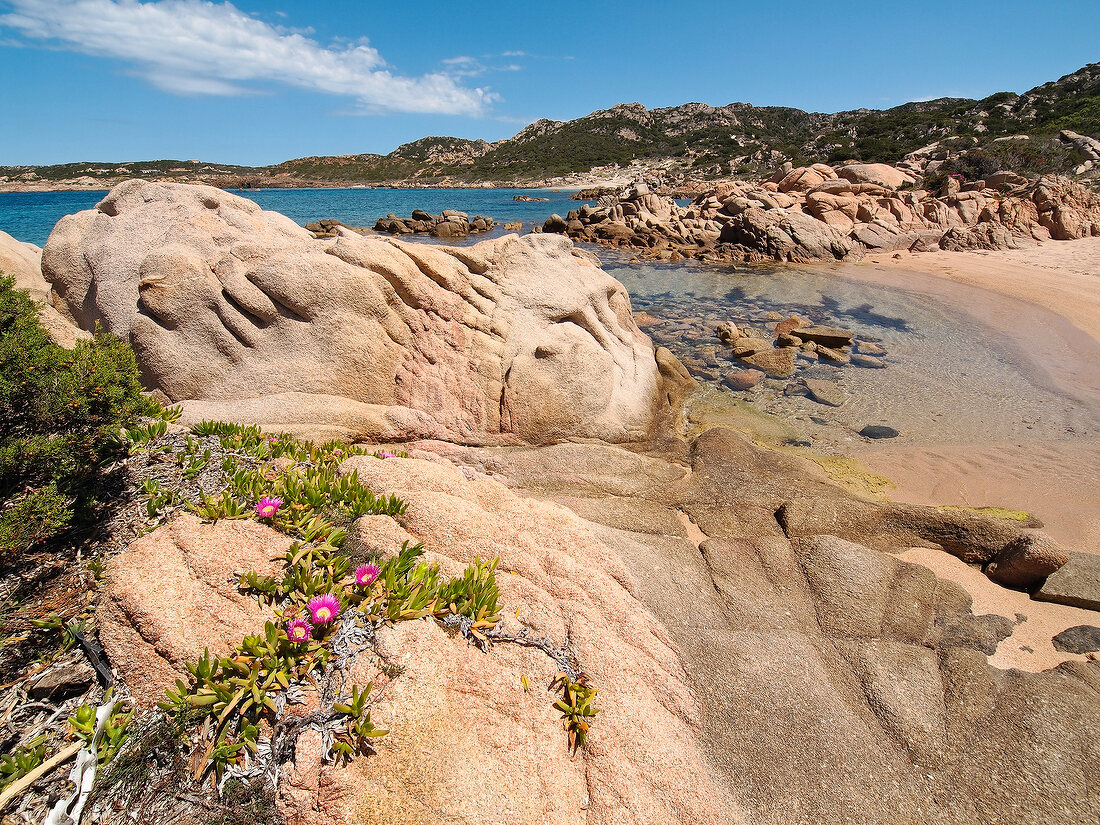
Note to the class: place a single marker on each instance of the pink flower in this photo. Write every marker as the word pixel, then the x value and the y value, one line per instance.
pixel 268 507
pixel 299 630
pixel 384 454
pixel 324 609
pixel 365 574
pixel 337 453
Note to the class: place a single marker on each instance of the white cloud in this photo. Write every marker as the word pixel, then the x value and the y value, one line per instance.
pixel 195 47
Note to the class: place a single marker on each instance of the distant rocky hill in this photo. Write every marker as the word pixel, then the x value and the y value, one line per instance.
pixel 1052 128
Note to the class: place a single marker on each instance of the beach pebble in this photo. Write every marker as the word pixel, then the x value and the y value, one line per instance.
pixel 878 431
pixel 743 379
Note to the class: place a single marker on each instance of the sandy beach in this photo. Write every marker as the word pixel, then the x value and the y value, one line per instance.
pixel 1047 298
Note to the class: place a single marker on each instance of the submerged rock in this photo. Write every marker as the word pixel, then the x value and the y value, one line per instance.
pixel 826 336
pixel 778 363
pixel 825 392
pixel 878 431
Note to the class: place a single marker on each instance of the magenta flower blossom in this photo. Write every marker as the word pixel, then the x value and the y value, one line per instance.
pixel 365 574
pixel 299 630
pixel 384 454
pixel 324 609
pixel 338 452
pixel 268 507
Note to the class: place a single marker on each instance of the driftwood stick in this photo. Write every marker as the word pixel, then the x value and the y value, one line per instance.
pixel 16 788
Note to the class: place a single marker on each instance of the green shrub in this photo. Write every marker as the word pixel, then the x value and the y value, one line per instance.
pixel 61 412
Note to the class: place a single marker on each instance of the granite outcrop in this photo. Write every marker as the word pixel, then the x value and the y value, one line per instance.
pixel 825 213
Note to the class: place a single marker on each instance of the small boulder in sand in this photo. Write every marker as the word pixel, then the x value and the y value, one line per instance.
pixel 1083 638
pixel 1026 560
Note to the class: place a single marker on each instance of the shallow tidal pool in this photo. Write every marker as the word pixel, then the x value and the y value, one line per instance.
pixel 948 377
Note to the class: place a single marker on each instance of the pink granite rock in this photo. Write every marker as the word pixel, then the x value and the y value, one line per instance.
pixel 228 305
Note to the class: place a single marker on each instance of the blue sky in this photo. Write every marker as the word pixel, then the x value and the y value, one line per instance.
pixel 257 82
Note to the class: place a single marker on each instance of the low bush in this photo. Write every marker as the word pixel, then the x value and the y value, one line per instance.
pixel 61 414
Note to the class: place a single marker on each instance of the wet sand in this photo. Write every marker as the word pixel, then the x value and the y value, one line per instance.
pixel 1045 301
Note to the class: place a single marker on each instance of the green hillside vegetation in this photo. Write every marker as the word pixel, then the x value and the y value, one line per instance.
pixel 694 141
pixel 140 168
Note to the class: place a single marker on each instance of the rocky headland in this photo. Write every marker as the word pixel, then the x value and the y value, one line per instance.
pixel 761 653
pixel 821 213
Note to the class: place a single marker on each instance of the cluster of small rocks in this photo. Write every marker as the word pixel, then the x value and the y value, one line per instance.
pixel 825 213
pixel 774 356
pixel 328 228
pixel 450 224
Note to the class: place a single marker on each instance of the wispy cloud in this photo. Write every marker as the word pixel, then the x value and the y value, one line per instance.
pixel 194 47
pixel 464 65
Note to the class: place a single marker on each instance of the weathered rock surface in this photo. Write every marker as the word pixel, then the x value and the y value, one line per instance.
pixel 173 593
pixel 836 683
pixel 467 743
pixel 510 339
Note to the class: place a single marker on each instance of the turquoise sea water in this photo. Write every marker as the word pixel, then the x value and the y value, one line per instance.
pixel 29 216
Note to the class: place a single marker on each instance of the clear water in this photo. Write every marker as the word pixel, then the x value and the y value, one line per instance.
pixel 947 380
pixel 29 216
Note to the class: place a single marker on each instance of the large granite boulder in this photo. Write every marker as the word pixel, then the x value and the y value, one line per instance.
pixel 880 173
pixel 795 237
pixel 228 305
pixel 23 262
